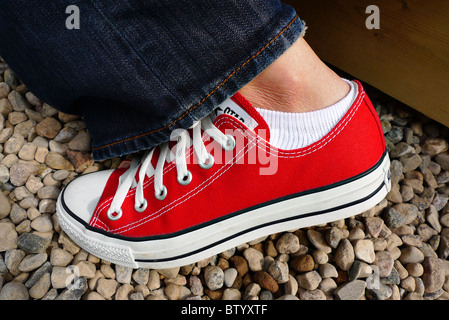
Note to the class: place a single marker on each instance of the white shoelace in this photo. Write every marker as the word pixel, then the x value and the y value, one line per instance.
pixel 144 168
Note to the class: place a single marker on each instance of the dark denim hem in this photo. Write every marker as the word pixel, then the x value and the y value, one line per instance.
pixel 231 83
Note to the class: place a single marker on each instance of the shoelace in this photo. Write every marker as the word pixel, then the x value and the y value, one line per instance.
pixel 143 167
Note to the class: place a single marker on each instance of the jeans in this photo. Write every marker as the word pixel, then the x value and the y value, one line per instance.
pixel 135 69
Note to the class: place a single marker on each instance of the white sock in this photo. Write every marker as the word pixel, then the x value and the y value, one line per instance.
pixel 291 131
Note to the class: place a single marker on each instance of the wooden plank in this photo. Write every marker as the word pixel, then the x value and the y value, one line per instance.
pixel 407 58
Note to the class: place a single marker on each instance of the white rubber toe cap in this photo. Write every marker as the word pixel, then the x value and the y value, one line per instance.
pixel 81 196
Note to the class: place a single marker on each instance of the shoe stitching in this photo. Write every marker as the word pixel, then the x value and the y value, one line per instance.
pixel 206 182
pixel 316 146
pixel 170 166
pixel 176 202
pixel 174 205
pixel 103 226
pixel 167 169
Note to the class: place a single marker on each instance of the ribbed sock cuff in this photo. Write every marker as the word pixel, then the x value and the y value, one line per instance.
pixel 291 131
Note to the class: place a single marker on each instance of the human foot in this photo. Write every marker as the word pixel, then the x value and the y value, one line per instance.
pixel 298 81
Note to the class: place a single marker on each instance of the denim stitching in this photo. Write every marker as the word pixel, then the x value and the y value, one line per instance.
pixel 205 98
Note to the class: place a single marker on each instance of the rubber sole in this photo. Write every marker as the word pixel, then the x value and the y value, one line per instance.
pixel 314 207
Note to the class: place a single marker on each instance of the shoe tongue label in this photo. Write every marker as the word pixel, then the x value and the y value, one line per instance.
pixel 232 109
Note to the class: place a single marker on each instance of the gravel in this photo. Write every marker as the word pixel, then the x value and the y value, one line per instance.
pixel 395 251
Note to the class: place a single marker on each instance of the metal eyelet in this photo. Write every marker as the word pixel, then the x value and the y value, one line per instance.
pixel 186 179
pixel 114 215
pixel 209 162
pixel 162 194
pixel 141 207
pixel 230 143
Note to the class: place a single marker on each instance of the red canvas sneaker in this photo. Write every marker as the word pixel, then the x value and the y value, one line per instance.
pixel 221 184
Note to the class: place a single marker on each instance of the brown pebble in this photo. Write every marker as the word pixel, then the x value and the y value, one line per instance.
pixel 303 263
pixel 266 281
pixel 214 294
pixel 270 249
pixel 48 128
pixel 343 277
pixel 247 280
pixel 240 264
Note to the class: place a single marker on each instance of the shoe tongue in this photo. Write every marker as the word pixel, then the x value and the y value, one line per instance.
pixel 241 109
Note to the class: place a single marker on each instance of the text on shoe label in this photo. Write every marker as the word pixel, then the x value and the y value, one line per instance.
pixel 232 109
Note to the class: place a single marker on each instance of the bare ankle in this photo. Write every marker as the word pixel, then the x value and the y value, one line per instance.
pixel 298 81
